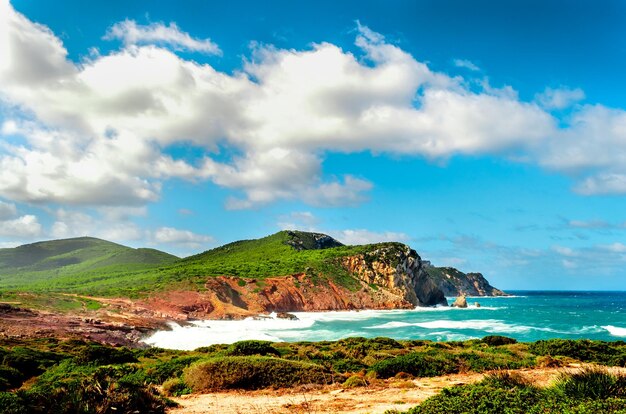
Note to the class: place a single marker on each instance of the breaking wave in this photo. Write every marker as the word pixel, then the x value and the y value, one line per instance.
pixel 615 330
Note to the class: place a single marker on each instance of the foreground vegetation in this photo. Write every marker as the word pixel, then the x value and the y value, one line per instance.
pixel 591 390
pixel 52 376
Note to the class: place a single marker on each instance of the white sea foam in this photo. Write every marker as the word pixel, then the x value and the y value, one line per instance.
pixel 615 330
pixel 486 325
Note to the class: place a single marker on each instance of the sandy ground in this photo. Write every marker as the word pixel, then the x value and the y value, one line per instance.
pixel 393 394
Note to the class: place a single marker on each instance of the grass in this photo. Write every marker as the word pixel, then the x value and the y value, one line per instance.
pixel 68 265
pixel 95 267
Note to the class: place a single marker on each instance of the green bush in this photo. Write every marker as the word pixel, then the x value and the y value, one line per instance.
pixel 69 388
pixel 355 381
pixel 164 370
pixel 30 362
pixel 606 353
pixel 505 379
pixel 10 378
pixel 480 399
pixel 104 355
pixel 594 383
pixel 498 340
pixel 176 387
pixel 251 347
pixel 417 364
pixel 250 372
pixel 11 403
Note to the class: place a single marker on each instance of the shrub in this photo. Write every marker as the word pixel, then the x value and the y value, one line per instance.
pixel 591 382
pixel 355 381
pixel 251 347
pixel 11 403
pixel 498 340
pixel 104 355
pixel 585 350
pixel 30 362
pixel 416 364
pixel 480 399
pixel 164 370
pixel 505 379
pixel 90 389
pixel 10 378
pixel 176 387
pixel 251 373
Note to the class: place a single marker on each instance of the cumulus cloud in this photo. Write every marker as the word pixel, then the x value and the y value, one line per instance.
pixel 298 220
pixel 157 33
pixel 116 225
pixel 362 236
pixel 73 223
pixel 23 227
pixel 466 64
pixel 173 235
pixel 96 133
pixel 7 210
pixel 560 98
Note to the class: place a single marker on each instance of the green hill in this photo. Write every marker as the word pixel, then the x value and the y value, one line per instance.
pixel 96 267
pixel 91 266
pixel 43 263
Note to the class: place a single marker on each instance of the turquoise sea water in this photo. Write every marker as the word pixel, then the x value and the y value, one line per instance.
pixel 526 316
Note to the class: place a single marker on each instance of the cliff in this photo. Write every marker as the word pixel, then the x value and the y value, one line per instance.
pixel 398 269
pixel 453 282
pixel 286 271
pixel 333 277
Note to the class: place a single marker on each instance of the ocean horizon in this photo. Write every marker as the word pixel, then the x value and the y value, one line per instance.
pixel 526 315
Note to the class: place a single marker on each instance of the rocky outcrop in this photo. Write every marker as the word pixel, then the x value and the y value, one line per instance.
pixel 301 240
pixel 456 283
pixel 460 302
pixel 398 269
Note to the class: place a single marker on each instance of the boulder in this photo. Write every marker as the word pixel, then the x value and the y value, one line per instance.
pixel 285 315
pixel 460 302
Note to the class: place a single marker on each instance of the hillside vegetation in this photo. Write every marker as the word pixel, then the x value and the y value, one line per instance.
pixel 67 264
pixel 95 267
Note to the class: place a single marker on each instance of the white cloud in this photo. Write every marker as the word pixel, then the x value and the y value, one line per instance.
pixel 590 224
pixel 172 235
pixel 603 184
pixel 569 264
pixel 72 223
pixel 7 210
pixel 466 64
pixel 615 247
pixel 560 98
pixel 565 251
pixel 99 128
pixel 298 220
pixel 23 227
pixel 157 33
pixel 362 236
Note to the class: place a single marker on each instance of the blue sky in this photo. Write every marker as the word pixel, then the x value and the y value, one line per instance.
pixel 489 137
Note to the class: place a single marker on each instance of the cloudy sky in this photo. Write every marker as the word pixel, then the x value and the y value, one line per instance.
pixel 488 137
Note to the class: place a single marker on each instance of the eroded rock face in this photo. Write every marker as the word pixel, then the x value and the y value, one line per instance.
pixel 398 269
pixel 455 283
pixel 460 302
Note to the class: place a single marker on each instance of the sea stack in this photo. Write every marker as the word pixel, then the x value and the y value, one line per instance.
pixel 460 302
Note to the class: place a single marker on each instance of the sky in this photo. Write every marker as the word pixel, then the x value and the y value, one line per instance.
pixel 489 136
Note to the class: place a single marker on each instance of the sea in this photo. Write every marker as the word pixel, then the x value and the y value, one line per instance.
pixel 525 316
